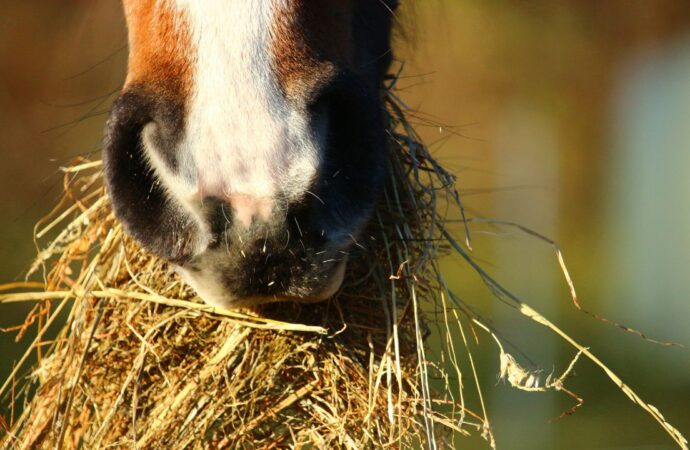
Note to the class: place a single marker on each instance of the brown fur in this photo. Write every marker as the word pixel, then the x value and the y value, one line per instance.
pixel 311 39
pixel 160 48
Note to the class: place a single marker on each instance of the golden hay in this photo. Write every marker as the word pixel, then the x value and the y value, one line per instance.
pixel 141 363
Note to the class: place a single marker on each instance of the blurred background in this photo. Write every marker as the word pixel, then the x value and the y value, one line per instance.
pixel 571 117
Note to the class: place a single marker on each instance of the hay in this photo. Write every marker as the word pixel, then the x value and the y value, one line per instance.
pixel 141 363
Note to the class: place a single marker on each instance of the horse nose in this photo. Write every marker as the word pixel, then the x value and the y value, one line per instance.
pixel 247 207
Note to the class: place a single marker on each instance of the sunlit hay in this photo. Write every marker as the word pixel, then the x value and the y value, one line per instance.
pixel 141 363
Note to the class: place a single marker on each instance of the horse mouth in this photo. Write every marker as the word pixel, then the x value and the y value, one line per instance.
pixel 329 290
pixel 225 295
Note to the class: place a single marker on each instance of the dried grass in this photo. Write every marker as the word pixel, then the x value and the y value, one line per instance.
pixel 141 363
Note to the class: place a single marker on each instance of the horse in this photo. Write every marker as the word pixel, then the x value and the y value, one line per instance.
pixel 248 146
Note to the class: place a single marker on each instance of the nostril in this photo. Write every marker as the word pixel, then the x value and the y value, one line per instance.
pixel 154 218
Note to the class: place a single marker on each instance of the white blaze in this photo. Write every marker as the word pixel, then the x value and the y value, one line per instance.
pixel 242 138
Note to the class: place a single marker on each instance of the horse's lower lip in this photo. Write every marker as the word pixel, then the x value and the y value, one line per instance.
pixel 327 292
pixel 225 301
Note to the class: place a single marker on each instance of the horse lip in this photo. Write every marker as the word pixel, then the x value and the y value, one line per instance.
pixel 219 298
pixel 330 289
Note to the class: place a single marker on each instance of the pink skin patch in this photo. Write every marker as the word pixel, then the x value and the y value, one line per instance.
pixel 247 207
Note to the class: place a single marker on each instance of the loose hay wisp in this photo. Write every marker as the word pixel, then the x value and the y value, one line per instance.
pixel 141 363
